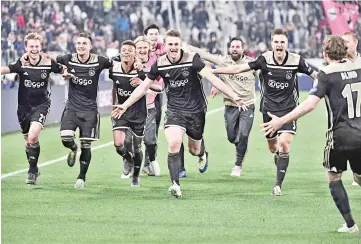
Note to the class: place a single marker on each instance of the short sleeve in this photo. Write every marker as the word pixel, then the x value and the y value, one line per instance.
pixel 141 75
pixel 106 63
pixel 197 63
pixel 303 67
pixel 319 85
pixel 63 59
pixel 153 73
pixel 258 63
pixel 56 67
pixel 15 66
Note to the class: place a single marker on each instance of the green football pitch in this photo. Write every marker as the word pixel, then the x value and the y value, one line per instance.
pixel 215 208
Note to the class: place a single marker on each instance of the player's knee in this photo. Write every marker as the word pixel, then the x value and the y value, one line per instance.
pixel 193 151
pixel 273 148
pixel 120 149
pixel 284 145
pixel 137 144
pixel 174 147
pixel 232 138
pixel 243 137
pixel 332 176
pixel 67 141
pixel 33 138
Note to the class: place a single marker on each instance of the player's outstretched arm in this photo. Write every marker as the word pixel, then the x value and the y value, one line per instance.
pixel 204 54
pixel 136 81
pixel 234 69
pixel 218 83
pixel 276 123
pixel 5 70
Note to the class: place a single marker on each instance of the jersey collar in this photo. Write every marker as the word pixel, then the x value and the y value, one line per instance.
pixel 178 61
pixel 284 61
pixel 36 63
pixel 77 56
pixel 121 66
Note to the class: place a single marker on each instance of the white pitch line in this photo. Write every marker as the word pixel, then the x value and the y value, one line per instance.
pixel 3 176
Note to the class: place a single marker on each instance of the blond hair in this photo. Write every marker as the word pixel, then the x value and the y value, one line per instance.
pixel 349 33
pixel 33 36
pixel 141 39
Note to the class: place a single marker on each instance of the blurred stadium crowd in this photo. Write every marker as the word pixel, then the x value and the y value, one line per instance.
pixel 206 24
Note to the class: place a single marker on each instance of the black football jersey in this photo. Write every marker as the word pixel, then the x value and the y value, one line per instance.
pixel 340 85
pixel 83 88
pixel 182 82
pixel 34 85
pixel 279 82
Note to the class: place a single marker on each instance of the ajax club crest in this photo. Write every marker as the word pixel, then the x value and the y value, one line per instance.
pixel 92 72
pixel 43 75
pixel 289 75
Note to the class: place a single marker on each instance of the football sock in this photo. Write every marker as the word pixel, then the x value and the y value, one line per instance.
pixel 181 152
pixel 138 157
pixel 282 165
pixel 85 158
pixel 27 152
pixel 340 198
pixel 174 165
pixel 151 149
pixel 34 152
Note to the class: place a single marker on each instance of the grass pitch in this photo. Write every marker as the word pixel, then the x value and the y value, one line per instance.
pixel 215 207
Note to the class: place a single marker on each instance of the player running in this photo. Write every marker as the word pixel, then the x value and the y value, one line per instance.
pixel 186 105
pixel 126 78
pixel 351 41
pixel 279 94
pixel 239 121
pixel 81 109
pixel 340 84
pixel 33 97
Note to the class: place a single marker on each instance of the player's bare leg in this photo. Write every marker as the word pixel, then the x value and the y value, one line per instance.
pixel 34 152
pixel 340 198
pixel 284 144
pixel 197 148
pixel 273 147
pixel 67 138
pixel 174 136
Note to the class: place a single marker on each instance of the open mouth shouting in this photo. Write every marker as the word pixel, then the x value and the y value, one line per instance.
pixel 279 51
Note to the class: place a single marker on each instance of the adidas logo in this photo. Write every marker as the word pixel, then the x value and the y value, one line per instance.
pixel 26 73
pixel 251 115
pixel 269 73
pixel 117 82
pixel 72 70
pixel 167 75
